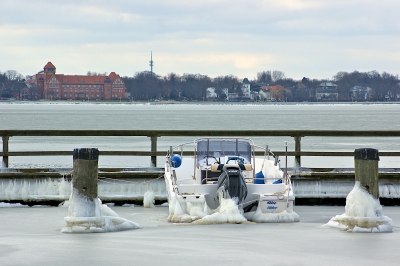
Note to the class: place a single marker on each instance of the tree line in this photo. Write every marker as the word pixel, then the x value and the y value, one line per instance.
pixel 149 86
pixel 11 82
pixel 145 85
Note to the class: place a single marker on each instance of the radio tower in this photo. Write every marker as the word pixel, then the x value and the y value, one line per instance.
pixel 151 63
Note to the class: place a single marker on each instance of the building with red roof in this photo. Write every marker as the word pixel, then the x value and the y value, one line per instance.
pixel 79 87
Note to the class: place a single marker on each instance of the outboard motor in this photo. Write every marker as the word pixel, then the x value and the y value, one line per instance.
pixel 231 183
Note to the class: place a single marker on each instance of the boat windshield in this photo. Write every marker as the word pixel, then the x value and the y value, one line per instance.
pixel 220 148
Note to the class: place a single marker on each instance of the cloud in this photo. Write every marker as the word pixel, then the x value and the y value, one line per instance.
pixel 212 37
pixel 299 4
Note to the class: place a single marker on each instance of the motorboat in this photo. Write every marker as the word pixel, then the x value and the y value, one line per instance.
pixel 216 180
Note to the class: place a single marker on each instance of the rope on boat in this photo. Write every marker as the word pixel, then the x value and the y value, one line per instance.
pixel 127 181
pixel 248 202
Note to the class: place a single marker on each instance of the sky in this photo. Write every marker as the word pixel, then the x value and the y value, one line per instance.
pixel 302 38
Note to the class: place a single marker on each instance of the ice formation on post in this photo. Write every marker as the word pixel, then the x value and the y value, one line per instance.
pixel 363 213
pixel 91 216
pixel 3 168
pixel 148 199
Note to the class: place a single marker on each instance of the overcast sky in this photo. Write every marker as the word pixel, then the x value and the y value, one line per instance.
pixel 302 38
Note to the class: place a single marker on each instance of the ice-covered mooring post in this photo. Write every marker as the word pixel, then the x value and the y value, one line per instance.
pixel 366 170
pixel 84 174
pixel 86 214
pixel 363 211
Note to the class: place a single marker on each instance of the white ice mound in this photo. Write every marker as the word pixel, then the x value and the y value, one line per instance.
pixel 91 216
pixel 363 213
pixel 281 217
pixel 228 212
pixel 148 199
pixel 12 205
pixel 176 213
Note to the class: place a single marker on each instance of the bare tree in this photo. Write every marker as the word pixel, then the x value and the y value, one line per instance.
pixel 13 75
pixel 277 75
pixel 264 77
pixel 228 81
pixel 93 73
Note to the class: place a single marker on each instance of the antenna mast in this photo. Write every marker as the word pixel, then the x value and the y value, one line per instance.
pixel 151 63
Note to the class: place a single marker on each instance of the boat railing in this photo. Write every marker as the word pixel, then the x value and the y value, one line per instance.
pixel 297 135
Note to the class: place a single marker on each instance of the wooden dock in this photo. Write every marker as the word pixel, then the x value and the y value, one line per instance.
pixel 311 183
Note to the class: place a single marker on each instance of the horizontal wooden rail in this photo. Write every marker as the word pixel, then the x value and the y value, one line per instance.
pixel 154 134
pixel 163 153
pixel 204 133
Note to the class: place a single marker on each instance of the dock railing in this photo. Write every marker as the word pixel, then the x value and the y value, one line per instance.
pixel 309 183
pixel 155 134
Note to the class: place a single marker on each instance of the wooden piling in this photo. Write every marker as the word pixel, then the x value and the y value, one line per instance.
pixel 366 169
pixel 84 175
pixel 297 149
pixel 5 150
pixel 153 151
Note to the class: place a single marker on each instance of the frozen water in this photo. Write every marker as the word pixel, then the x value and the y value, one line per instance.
pixel 199 213
pixel 334 189
pixel 91 216
pixel 31 236
pixel 363 213
pixel 3 167
pixel 29 189
pixel 195 209
pixel 181 211
pixel 148 199
pixel 12 205
pixel 60 189
pixel 176 213
pixel 282 217
pixel 227 212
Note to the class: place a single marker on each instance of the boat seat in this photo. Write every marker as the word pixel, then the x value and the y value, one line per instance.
pixel 209 176
pixel 249 180
pixel 218 167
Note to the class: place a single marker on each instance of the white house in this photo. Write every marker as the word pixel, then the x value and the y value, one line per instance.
pixel 360 93
pixel 264 95
pixel 211 93
pixel 246 88
pixel 327 91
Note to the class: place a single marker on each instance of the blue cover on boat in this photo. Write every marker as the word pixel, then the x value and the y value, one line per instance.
pixel 259 178
pixel 279 181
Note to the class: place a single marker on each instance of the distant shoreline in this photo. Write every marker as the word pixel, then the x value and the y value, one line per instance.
pixel 16 102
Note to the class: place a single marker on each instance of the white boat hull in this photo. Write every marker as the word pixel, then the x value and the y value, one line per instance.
pixel 267 202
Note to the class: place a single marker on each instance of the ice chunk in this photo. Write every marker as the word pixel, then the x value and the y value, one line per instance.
pixel 363 213
pixel 281 217
pixel 91 216
pixel 228 212
pixel 148 199
pixel 176 213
